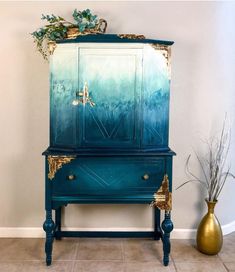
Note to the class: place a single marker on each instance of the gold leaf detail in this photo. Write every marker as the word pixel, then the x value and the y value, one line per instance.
pixel 56 162
pixel 131 36
pixel 163 198
pixel 51 47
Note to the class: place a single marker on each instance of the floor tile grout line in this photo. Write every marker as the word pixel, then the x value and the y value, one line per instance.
pixel 225 267
pixel 77 249
pixel 173 261
pixel 99 260
pixel 123 250
pixel 72 270
pixel 222 262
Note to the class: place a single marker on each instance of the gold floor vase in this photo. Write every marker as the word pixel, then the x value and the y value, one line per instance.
pixel 209 233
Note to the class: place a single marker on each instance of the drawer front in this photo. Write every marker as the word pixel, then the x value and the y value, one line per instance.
pixel 105 176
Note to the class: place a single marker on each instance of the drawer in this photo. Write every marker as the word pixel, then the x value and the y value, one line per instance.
pixel 105 176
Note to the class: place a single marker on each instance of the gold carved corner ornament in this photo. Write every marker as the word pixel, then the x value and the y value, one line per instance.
pixel 51 47
pixel 166 52
pixel 56 162
pixel 163 198
pixel 131 36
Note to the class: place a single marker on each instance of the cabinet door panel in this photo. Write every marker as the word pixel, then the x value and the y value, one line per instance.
pixel 156 87
pixel 64 83
pixel 114 79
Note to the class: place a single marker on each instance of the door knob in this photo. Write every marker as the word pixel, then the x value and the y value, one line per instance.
pixel 145 177
pixel 71 177
pixel 82 97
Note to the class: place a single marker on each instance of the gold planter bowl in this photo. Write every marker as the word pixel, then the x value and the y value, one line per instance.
pixel 209 233
pixel 73 32
pixel 100 28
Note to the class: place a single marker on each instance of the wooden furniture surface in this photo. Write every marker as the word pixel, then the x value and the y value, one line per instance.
pixel 109 123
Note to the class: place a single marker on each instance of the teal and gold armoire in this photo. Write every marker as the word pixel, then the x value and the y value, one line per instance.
pixel 109 123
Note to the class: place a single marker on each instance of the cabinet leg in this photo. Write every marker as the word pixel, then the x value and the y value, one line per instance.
pixel 58 223
pixel 157 219
pixel 167 227
pixel 48 227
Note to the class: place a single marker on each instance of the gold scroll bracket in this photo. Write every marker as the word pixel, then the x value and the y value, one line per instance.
pixel 163 198
pixel 56 162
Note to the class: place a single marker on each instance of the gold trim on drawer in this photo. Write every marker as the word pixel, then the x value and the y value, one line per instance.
pixel 163 198
pixel 56 162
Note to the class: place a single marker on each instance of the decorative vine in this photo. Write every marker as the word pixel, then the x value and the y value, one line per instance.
pixel 58 29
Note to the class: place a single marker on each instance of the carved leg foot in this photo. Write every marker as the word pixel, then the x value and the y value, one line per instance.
pixel 58 223
pixel 157 228
pixel 48 227
pixel 167 227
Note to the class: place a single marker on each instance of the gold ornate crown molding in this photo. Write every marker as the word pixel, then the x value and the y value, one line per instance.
pixel 131 36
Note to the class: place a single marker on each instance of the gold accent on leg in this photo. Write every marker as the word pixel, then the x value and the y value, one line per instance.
pixel 51 47
pixel 56 162
pixel 166 52
pixel 163 198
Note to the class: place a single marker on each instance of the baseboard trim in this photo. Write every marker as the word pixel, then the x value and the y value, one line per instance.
pixel 39 233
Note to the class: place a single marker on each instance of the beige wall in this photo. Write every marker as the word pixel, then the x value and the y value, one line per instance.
pixel 203 83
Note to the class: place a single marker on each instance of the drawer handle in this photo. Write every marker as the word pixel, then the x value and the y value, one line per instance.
pixel 145 177
pixel 82 97
pixel 71 177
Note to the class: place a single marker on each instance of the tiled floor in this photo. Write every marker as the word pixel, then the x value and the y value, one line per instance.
pixel 112 255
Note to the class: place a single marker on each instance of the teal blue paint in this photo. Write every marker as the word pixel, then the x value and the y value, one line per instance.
pixel 105 234
pixel 63 86
pixel 123 137
pixel 114 86
pixel 119 176
pixel 112 38
pixel 155 95
pixel 131 95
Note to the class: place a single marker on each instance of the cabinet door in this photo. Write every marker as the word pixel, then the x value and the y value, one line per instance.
pixel 64 83
pixel 113 77
pixel 156 87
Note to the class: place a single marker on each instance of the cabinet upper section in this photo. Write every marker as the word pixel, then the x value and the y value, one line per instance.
pixel 110 92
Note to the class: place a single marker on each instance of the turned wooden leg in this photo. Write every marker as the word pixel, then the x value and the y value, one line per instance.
pixel 167 227
pixel 58 223
pixel 157 219
pixel 48 227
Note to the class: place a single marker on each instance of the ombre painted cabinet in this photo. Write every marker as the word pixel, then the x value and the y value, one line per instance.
pixel 109 124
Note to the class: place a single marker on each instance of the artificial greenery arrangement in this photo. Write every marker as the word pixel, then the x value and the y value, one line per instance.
pixel 58 28
pixel 213 165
